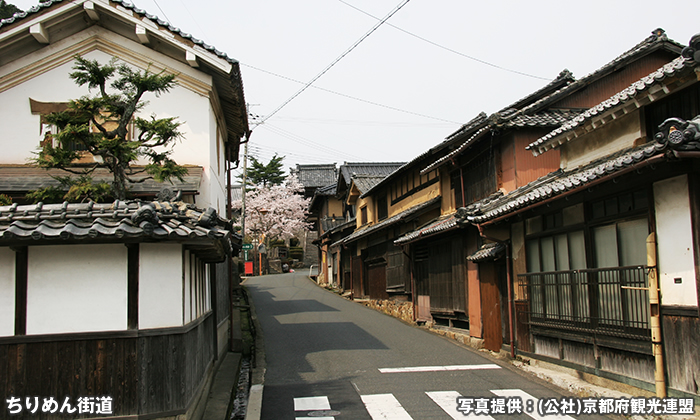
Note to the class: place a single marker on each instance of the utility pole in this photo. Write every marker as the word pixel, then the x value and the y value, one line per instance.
pixel 245 178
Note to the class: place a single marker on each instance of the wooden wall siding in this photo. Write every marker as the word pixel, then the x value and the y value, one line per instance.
pixel 440 277
pixel 490 306
pixel 547 346
pixel 473 287
pixel 172 367
pixel 377 281
pixel 603 89
pixel 522 328
pixel 632 365
pixel 459 276
pixel 583 355
pixel 398 276
pixel 223 291
pixel 527 167
pixel 71 369
pixel 144 375
pixel 681 337
pixel 357 289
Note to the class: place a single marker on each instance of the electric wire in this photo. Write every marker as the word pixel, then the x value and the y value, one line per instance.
pixel 161 10
pixel 446 48
pixel 350 96
pixel 334 62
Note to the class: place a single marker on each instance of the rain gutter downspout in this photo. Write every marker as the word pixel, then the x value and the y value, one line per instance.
pixel 509 289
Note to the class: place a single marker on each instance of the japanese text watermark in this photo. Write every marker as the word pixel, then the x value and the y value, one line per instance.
pixel 575 406
pixel 83 405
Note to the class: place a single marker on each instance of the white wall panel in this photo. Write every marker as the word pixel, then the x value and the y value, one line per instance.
pixel 160 285
pixel 675 242
pixel 76 288
pixel 7 291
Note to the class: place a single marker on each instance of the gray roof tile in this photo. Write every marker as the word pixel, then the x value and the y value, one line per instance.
pixel 673 68
pixel 442 224
pixel 23 178
pixel 127 5
pixel 406 214
pixel 202 230
pixel 561 181
pixel 488 252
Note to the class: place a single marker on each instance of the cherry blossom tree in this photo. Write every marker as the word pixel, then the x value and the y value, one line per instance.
pixel 276 212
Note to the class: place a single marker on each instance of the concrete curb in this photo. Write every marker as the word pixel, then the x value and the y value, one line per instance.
pixel 257 375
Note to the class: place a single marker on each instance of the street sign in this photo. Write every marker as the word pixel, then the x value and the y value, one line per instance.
pixel 247 246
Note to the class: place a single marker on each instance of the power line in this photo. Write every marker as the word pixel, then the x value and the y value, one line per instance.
pixel 161 10
pixel 446 48
pixel 352 47
pixel 350 96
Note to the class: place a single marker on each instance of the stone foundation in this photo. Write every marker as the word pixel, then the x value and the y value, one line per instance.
pixel 400 310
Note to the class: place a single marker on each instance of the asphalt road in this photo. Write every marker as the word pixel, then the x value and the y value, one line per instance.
pixel 324 356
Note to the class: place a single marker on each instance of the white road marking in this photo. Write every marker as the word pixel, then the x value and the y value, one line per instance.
pixel 384 407
pixel 311 403
pixel 447 400
pixel 438 368
pixel 525 396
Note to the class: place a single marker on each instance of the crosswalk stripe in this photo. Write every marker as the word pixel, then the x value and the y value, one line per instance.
pixel 438 368
pixel 314 418
pixel 447 400
pixel 525 396
pixel 311 403
pixel 384 407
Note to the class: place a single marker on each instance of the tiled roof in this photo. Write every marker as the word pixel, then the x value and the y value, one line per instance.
pixel 383 169
pixel 549 118
pixel 673 68
pixel 315 176
pixel 563 79
pixel 559 182
pixel 442 224
pixel 365 183
pixel 130 6
pixel 202 231
pixel 488 252
pixel 656 41
pixel 333 224
pixel 406 214
pixel 23 178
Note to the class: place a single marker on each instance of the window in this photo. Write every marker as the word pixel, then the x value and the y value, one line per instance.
pixel 382 208
pixel 590 274
pixel 363 215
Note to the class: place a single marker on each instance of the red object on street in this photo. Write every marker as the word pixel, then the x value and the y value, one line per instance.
pixel 249 268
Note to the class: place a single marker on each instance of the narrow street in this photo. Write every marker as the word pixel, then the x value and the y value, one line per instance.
pixel 331 358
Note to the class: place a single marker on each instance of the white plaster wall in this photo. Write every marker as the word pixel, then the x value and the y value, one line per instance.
pixel 606 140
pixel 160 285
pixel 675 242
pixel 186 282
pixel 7 292
pixel 50 83
pixel 76 288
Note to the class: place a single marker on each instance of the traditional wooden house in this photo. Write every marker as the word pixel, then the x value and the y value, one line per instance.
pixel 487 158
pixel 336 217
pixel 313 177
pixel 604 250
pixel 126 300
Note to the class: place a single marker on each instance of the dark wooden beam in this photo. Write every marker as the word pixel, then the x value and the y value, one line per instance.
pixel 133 286
pixel 21 263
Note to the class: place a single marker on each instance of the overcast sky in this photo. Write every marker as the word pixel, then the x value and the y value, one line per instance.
pixel 396 95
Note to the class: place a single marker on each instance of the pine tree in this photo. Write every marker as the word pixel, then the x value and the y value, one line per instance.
pixel 266 175
pixel 99 125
